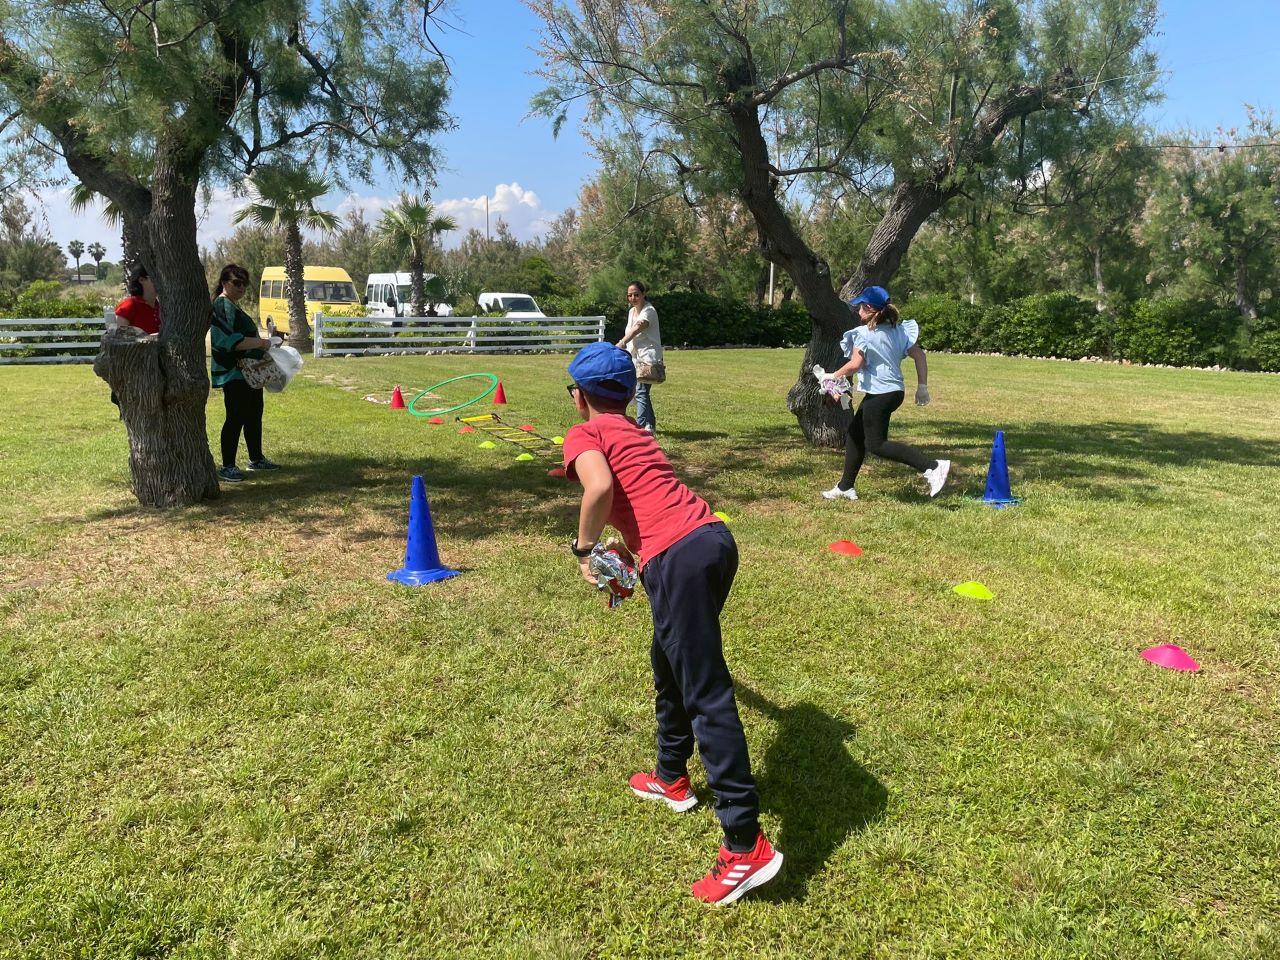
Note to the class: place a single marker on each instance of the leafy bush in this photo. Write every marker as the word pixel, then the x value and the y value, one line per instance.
pixel 1051 325
pixel 1183 333
pixel 948 324
pixel 615 314
pixel 788 325
pixel 46 299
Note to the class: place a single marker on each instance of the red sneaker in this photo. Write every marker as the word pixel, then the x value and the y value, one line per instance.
pixel 677 796
pixel 736 873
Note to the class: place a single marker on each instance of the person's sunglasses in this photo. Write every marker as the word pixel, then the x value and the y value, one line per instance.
pixel 571 388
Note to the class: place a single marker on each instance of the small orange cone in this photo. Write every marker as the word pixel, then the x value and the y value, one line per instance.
pixel 557 472
pixel 436 420
pixel 397 399
pixel 527 427
pixel 467 430
pixel 500 398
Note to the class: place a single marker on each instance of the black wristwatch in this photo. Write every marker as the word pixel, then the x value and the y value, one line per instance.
pixel 580 554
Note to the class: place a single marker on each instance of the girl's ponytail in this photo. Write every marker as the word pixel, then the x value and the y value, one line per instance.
pixel 888 314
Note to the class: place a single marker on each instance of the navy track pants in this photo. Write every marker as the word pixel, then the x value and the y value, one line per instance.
pixel 688 584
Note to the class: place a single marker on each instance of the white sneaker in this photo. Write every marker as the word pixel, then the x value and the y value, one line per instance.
pixel 835 493
pixel 937 476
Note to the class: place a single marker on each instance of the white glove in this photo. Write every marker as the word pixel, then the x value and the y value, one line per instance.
pixel 276 341
pixel 922 396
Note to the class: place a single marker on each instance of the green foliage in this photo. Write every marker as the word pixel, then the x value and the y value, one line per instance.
pixel 49 299
pixel 1180 332
pixel 26 252
pixel 1051 325
pixel 1212 224
pixel 947 323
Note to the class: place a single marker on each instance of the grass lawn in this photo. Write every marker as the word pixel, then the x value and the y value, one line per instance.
pixel 224 733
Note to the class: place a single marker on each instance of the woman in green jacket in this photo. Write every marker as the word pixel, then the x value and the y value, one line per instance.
pixel 234 336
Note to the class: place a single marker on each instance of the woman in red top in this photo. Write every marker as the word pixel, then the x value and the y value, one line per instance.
pixel 141 308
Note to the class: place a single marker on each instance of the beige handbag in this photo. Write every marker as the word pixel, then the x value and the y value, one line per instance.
pixel 651 372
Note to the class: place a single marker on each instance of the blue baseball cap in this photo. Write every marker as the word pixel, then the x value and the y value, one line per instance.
pixel 875 297
pixel 598 362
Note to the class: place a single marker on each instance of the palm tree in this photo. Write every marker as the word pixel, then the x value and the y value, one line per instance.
pixel 286 200
pixel 130 259
pixel 97 251
pixel 76 249
pixel 406 231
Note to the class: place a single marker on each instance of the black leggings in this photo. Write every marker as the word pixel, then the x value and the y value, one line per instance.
pixel 869 433
pixel 244 411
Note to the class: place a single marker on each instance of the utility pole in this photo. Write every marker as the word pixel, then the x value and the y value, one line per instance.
pixel 486 218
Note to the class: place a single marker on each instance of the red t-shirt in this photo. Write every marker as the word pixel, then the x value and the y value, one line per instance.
pixel 652 509
pixel 138 313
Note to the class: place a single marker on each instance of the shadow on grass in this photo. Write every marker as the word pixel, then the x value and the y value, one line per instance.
pixel 815 787
pixel 311 491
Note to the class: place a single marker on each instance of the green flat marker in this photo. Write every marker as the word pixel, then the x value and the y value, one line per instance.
pixel 558 441
pixel 722 515
pixel 488 445
pixel 974 591
pixel 525 456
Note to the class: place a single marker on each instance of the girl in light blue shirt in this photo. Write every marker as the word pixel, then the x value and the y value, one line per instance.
pixel 876 350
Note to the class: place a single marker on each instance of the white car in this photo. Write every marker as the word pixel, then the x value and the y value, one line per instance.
pixel 389 295
pixel 511 304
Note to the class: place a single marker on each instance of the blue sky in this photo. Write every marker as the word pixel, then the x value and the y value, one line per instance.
pixel 1218 55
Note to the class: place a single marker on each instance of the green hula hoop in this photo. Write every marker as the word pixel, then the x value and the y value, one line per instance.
pixel 493 385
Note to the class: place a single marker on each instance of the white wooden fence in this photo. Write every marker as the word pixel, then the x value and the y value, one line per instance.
pixel 362 336
pixel 58 340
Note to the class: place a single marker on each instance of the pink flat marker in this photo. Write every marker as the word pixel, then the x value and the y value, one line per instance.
pixel 1171 656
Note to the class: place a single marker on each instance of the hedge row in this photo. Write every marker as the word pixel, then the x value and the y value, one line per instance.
pixel 1183 333
pixel 1175 332
pixel 690 319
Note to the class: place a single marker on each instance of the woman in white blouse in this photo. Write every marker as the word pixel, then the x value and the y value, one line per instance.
pixel 644 342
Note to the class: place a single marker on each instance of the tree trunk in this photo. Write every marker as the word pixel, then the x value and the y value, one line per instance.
pixel 417 267
pixel 1244 300
pixel 162 385
pixel 295 290
pixel 780 243
pixel 911 204
pixel 1098 283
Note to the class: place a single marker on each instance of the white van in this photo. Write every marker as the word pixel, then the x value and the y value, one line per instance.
pixel 511 304
pixel 391 295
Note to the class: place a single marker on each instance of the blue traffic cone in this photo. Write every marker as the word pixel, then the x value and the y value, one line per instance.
pixel 998 493
pixel 421 556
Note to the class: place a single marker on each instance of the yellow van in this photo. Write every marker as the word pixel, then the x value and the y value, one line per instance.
pixel 327 289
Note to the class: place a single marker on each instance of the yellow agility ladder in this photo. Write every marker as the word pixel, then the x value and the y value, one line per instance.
pixel 529 442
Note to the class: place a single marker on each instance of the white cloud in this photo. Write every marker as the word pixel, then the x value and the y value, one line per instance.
pixel 520 208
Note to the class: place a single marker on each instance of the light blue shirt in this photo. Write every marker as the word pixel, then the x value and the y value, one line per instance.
pixel 883 350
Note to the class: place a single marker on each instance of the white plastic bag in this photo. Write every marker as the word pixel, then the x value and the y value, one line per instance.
pixel 289 361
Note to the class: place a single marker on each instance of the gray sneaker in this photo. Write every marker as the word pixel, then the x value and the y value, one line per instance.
pixel 230 474
pixel 263 464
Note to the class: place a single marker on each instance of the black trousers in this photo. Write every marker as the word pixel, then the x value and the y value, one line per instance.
pixel 869 433
pixel 688 584
pixel 244 412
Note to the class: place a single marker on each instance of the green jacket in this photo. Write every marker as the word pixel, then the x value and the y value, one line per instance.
pixel 230 326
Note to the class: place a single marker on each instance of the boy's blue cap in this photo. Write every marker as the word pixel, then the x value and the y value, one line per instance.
pixel 875 297
pixel 597 362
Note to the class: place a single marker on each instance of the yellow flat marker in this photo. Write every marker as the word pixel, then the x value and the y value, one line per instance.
pixel 722 515
pixel 488 445
pixel 525 456
pixel 973 590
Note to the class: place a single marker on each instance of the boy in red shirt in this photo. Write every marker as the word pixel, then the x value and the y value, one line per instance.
pixel 687 562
